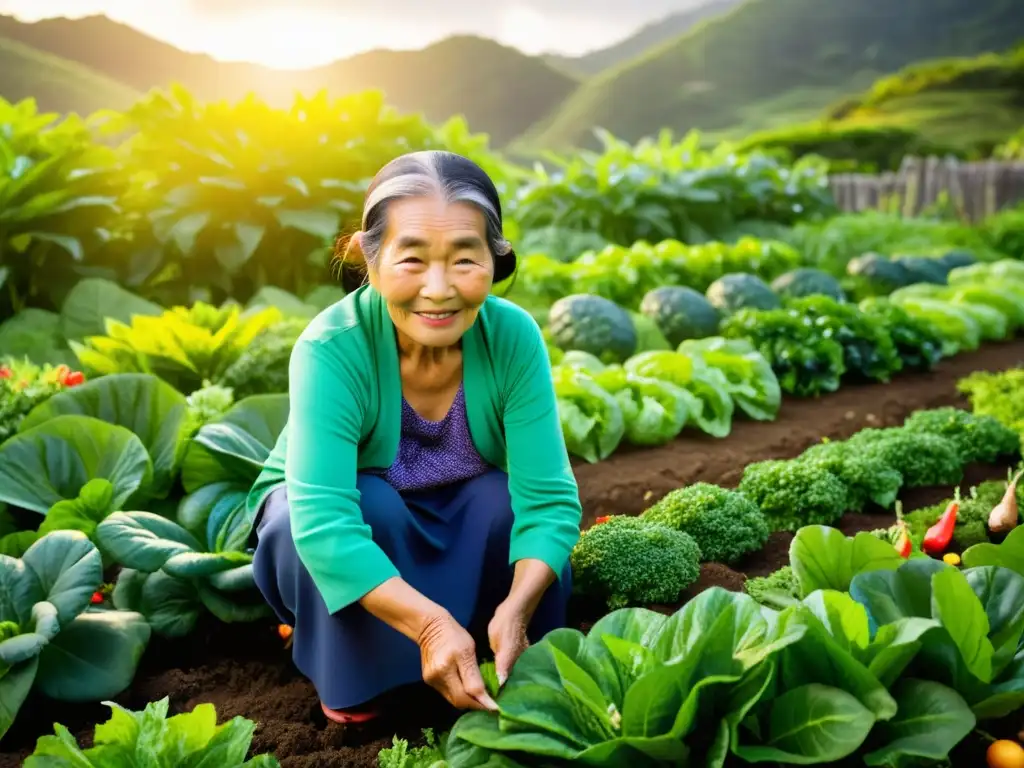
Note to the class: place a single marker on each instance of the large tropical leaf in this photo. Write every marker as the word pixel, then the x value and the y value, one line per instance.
pixel 52 461
pixel 151 408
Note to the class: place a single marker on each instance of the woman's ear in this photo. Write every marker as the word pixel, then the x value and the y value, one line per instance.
pixel 351 260
pixel 354 250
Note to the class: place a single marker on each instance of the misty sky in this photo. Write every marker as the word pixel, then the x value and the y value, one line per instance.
pixel 301 33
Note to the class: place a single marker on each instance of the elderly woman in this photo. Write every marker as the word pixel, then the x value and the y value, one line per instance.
pixel 419 504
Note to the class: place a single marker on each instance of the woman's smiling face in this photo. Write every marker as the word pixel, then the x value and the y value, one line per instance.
pixel 434 270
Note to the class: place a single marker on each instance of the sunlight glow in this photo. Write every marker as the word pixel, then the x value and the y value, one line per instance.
pixel 284 39
pixel 294 36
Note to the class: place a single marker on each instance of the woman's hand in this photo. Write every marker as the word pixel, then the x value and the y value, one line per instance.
pixel 448 656
pixel 507 635
pixel 507 630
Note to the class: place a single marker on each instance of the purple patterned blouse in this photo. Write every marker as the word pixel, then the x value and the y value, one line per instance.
pixel 433 453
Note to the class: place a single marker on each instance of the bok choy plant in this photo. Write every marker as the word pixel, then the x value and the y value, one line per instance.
pixel 639 689
pixel 897 670
pixel 50 638
pixel 174 570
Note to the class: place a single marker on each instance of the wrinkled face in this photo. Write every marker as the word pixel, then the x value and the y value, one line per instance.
pixel 434 270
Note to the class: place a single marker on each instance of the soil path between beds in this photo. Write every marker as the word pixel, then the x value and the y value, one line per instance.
pixel 244 670
pixel 632 479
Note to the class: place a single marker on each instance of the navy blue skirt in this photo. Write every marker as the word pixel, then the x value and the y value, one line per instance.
pixel 450 543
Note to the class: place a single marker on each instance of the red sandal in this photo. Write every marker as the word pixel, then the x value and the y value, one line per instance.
pixel 347 717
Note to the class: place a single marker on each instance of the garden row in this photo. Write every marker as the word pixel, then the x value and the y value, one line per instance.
pixel 724 679
pixel 739 350
pixel 739 361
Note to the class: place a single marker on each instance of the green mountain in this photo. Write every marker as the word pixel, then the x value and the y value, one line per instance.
pixel 642 40
pixel 57 85
pixel 769 63
pixel 500 90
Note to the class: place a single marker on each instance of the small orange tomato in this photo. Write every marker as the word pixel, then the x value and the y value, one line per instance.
pixel 284 631
pixel 1005 754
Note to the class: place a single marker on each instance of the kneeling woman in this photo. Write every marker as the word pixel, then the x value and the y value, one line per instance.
pixel 420 504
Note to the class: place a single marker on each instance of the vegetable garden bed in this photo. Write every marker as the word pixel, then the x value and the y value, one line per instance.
pixel 634 478
pixel 243 669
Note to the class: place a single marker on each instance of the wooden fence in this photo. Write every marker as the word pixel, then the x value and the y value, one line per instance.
pixel 972 190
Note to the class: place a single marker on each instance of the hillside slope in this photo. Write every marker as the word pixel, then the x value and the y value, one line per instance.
pixel 647 37
pixel 964 103
pixel 771 62
pixel 965 106
pixel 500 90
pixel 56 84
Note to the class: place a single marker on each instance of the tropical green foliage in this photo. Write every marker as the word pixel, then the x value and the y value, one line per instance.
pixel 59 200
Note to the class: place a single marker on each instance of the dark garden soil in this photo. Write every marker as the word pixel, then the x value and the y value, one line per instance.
pixel 245 670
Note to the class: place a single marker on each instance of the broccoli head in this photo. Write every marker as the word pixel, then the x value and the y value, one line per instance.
pixel 792 494
pixel 921 457
pixel 629 561
pixel 867 478
pixel 978 438
pixel 725 524
pixel 775 589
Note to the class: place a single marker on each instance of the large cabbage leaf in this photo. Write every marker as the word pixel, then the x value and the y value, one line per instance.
pixel 638 689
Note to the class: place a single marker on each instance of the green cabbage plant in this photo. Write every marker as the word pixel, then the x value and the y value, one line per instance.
pixel 50 637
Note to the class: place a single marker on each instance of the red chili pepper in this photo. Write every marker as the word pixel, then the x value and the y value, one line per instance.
pixel 97 597
pixel 904 546
pixel 939 535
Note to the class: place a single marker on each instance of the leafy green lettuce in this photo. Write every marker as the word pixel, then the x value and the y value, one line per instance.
pixel 592 418
pixel 752 383
pixel 655 411
pixel 151 738
pixel 709 385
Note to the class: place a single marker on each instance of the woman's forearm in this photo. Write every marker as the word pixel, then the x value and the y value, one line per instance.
pixel 403 608
pixel 530 581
